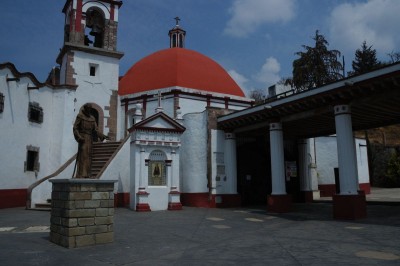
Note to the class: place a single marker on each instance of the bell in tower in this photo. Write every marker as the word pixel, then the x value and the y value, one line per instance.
pixel 95 22
pixel 177 35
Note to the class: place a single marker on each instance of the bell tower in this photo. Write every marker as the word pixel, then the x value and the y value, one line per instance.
pixel 89 59
pixel 91 26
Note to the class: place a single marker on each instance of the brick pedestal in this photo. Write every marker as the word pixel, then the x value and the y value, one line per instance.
pixel 82 212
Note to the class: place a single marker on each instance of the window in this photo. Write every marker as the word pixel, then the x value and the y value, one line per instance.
pixel 157 169
pixel 32 159
pixel 1 102
pixel 35 113
pixel 92 71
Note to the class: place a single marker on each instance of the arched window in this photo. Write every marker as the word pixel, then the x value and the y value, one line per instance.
pixel 157 170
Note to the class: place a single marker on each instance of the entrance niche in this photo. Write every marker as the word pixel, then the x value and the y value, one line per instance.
pixel 157 169
pixel 94 31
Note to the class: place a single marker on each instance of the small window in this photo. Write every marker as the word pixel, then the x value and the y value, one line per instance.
pixel 92 71
pixel 35 113
pixel 32 159
pixel 1 102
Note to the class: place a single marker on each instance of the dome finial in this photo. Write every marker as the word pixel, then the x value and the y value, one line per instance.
pixel 177 35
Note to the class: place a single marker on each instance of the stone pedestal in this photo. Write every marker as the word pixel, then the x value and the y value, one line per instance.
pixel 82 212
pixel 142 198
pixel 174 200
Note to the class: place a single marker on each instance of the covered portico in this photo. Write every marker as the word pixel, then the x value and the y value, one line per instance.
pixel 356 103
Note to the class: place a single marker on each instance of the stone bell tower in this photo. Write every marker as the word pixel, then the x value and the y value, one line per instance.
pixel 89 58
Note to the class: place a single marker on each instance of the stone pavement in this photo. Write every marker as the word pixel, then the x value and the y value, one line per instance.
pixel 198 236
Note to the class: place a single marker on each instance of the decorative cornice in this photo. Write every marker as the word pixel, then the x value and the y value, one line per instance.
pixel 87 49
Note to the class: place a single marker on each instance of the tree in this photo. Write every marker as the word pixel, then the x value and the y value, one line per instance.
pixel 258 95
pixel 365 60
pixel 316 66
pixel 394 57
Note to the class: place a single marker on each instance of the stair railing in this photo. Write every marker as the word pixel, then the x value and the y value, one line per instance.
pixel 35 184
pixel 112 157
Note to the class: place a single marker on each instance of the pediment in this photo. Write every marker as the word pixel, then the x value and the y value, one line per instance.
pixel 158 122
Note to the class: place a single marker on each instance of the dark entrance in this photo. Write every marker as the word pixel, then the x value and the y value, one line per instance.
pixel 254 174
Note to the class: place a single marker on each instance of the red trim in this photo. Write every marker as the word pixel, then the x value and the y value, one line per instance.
pixel 226 102
pixel 203 200
pixel 349 207
pixel 328 190
pixel 174 206
pixel 112 12
pixel 142 193
pixel 11 198
pixel 366 187
pixel 279 203
pixel 143 207
pixel 121 199
pixel 174 192
pixel 308 196
pixel 78 21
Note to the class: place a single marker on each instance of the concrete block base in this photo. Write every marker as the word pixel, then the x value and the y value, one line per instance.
pixel 82 212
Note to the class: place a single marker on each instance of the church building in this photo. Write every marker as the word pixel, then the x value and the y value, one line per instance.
pixel 166 148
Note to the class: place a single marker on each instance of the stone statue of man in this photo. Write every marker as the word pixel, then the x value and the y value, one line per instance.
pixel 85 132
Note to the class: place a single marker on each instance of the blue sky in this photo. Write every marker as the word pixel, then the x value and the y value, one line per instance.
pixel 254 40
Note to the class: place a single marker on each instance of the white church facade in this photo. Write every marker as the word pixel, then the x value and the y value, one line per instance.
pixel 161 115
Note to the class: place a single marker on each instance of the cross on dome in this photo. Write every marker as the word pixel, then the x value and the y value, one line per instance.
pixel 177 19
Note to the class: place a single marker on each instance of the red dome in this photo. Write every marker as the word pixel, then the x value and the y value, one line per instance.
pixel 178 67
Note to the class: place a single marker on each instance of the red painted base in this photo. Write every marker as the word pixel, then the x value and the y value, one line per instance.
pixel 11 198
pixel 279 203
pixel 328 190
pixel 349 207
pixel 174 206
pixel 121 200
pixel 307 196
pixel 204 200
pixel 143 207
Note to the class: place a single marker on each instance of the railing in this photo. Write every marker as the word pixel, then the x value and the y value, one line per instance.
pixel 112 157
pixel 31 187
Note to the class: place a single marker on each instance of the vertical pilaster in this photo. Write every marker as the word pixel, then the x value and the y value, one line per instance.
pixel 278 201
pixel 142 195
pixel 174 202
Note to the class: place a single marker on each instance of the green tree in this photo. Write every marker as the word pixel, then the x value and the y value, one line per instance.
pixel 365 60
pixel 317 65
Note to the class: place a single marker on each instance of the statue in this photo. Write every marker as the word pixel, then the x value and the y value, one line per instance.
pixel 85 132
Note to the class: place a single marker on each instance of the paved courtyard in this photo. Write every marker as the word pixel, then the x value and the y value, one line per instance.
pixel 197 236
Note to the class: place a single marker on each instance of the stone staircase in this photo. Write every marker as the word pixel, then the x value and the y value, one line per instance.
pixel 102 153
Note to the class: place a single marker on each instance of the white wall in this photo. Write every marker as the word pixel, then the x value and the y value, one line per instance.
pixel 193 154
pixel 327 160
pixel 17 132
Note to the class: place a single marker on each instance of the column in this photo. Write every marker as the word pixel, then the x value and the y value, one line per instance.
pixel 174 196
pixel 349 204
pixel 278 201
pixel 304 173
pixel 230 163
pixel 142 195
